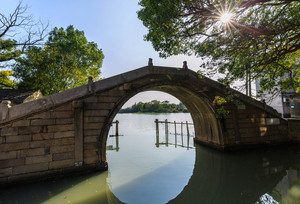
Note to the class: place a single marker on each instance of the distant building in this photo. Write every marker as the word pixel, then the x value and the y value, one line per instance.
pixel 280 102
pixel 19 96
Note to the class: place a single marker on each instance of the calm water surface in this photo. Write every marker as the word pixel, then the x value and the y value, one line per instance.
pixel 144 168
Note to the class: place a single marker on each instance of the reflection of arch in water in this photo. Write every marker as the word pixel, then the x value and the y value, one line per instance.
pixel 207 127
pixel 235 178
pixel 217 178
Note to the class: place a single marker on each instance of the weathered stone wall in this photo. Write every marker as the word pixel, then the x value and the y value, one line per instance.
pixel 294 128
pixel 247 125
pixel 61 140
pixel 41 142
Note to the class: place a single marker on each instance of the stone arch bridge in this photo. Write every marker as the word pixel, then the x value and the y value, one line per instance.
pixel 67 132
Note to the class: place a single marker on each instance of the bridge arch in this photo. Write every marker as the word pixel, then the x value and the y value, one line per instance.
pixel 207 126
pixel 67 131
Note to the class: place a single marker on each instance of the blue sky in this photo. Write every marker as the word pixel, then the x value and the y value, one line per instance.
pixel 112 24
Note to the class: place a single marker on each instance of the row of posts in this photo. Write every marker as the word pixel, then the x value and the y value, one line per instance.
pixel 167 127
pixel 167 131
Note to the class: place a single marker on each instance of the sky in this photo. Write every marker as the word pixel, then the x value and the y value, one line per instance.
pixel 114 26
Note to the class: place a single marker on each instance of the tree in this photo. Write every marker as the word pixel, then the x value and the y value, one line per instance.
pixel 243 39
pixel 17 32
pixel 5 81
pixel 65 61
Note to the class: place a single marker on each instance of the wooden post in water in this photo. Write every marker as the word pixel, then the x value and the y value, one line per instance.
pixel 117 128
pixel 182 133
pixel 167 132
pixel 117 143
pixel 175 134
pixel 157 132
pixel 188 134
pixel 181 128
pixel 187 128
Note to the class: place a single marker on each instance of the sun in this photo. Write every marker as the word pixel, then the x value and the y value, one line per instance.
pixel 225 17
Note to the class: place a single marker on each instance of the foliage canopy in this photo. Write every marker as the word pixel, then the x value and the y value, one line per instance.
pixel 261 39
pixel 17 31
pixel 65 61
pixel 155 107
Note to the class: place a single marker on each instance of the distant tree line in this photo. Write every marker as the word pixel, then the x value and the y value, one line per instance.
pixel 155 107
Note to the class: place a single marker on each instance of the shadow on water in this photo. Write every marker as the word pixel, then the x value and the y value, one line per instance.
pixel 240 177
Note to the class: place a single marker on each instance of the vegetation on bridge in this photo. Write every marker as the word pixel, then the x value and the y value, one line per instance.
pixel 155 107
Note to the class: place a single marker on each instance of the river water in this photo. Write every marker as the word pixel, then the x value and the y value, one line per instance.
pixel 148 168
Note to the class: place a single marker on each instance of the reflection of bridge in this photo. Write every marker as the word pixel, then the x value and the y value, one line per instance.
pixel 67 131
pixel 237 178
pixel 217 178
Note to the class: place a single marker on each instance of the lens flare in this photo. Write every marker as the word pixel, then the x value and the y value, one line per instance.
pixel 226 17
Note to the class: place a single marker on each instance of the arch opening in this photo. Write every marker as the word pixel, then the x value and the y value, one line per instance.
pixel 143 159
pixel 206 126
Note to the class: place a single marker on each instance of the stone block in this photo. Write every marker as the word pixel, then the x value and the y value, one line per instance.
pixel 69 95
pixel 38 159
pixel 229 125
pixel 42 115
pixel 40 144
pixel 5 172
pixel 11 163
pixel 108 83
pixel 64 121
pixel 92 132
pixel 62 114
pixel 92 126
pixel 30 168
pixel 28 108
pixel 53 142
pixel 94 119
pixel 14 146
pixel 60 128
pixel 98 106
pixel 63 156
pixel 39 122
pixel 91 160
pixel 32 152
pixel 66 107
pixel 64 134
pixel 8 155
pixel 21 123
pixel 91 145
pixel 108 99
pixel 18 138
pixel 42 136
pixel 61 164
pixel 116 93
pixel 31 130
pixel 248 125
pixel 91 99
pixel 89 139
pixel 92 113
pixel 8 131
pixel 2 139
pixel 90 153
pixel 63 141
pixel 62 148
